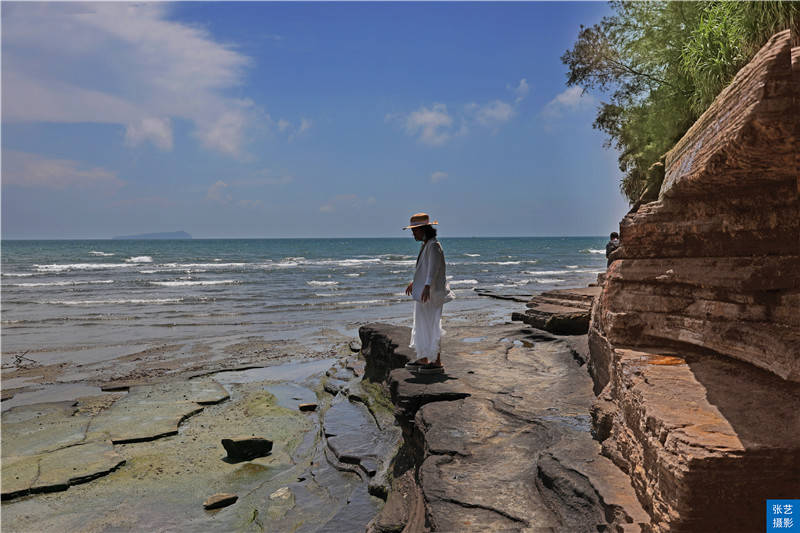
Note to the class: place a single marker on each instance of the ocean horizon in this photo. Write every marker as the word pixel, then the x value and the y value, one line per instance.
pixel 61 294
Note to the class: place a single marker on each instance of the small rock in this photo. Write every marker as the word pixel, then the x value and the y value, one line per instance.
pixel 307 407
pixel 247 447
pixel 355 346
pixel 282 493
pixel 222 499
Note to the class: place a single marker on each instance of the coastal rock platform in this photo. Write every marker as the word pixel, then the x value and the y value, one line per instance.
pixel 501 441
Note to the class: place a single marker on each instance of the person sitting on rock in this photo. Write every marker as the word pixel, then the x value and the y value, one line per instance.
pixel 612 245
pixel 430 291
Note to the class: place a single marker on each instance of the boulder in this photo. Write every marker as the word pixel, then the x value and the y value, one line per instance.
pixel 246 448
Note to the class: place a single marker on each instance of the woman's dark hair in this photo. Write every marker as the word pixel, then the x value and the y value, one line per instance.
pixel 615 235
pixel 429 231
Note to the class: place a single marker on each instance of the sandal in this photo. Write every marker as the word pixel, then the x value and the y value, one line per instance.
pixel 415 364
pixel 430 368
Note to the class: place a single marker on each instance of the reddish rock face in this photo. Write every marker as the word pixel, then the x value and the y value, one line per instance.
pixel 715 263
pixel 700 314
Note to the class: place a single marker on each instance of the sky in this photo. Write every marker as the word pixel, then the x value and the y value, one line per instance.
pixel 268 119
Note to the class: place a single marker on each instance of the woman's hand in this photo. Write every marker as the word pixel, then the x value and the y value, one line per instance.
pixel 409 288
pixel 426 293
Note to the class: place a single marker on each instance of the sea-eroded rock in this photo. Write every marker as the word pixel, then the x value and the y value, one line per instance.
pixel 485 442
pixel 695 339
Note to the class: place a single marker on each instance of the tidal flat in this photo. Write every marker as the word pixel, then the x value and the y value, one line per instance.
pixel 136 444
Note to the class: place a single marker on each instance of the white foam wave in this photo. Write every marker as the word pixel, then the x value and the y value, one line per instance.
pixel 457 282
pixel 183 266
pixel 101 254
pixel 500 262
pixel 139 259
pixel 194 283
pixel 79 266
pixel 62 283
pixel 592 251
pixel 572 266
pixel 324 294
pixel 354 274
pixel 18 274
pixel 117 302
pixel 547 280
pixel 472 255
pixel 322 283
pixel 554 272
pixel 362 302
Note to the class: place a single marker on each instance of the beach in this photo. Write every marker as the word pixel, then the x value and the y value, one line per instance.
pixel 222 340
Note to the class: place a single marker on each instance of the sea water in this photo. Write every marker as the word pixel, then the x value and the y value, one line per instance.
pixel 94 293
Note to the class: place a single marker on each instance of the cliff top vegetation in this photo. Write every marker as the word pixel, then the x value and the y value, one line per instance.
pixel 660 65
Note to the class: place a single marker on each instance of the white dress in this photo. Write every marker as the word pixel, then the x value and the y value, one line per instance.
pixel 427 331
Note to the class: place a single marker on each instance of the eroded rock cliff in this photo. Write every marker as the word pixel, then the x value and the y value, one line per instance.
pixel 695 339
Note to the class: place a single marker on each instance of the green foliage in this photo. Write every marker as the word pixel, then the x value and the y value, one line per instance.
pixel 661 65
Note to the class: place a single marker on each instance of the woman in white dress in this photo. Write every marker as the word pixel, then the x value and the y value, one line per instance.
pixel 430 291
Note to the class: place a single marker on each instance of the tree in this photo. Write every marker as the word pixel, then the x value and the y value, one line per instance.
pixel 660 65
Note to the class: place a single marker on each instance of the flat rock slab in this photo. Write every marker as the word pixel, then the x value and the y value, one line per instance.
pixel 492 432
pixel 354 437
pixel 59 469
pixel 217 501
pixel 149 412
pixel 39 428
pixel 563 312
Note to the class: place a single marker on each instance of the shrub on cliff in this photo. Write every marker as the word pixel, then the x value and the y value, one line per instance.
pixel 660 65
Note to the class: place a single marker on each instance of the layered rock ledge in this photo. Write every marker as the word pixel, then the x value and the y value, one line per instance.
pixel 695 338
pixel 562 311
pixel 501 441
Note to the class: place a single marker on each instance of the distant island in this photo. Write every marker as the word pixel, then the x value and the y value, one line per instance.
pixel 165 235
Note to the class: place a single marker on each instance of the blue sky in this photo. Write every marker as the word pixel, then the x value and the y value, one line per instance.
pixel 299 120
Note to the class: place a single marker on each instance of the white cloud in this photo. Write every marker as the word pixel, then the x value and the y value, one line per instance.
pixel 435 125
pixel 494 113
pixel 438 176
pixel 432 124
pixel 32 170
pixel 156 130
pixel 521 90
pixel 217 193
pixel 126 64
pixel 283 124
pixel 571 100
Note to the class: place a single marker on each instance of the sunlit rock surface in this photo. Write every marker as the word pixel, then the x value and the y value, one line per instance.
pixel 501 441
pixel 695 339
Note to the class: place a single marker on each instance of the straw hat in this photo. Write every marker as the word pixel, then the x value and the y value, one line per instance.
pixel 419 220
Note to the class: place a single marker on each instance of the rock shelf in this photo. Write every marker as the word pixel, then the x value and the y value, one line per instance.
pixel 563 311
pixel 501 441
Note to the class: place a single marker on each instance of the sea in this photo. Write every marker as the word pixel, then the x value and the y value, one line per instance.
pixel 91 293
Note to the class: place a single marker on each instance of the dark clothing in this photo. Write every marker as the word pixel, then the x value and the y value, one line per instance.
pixel 610 247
